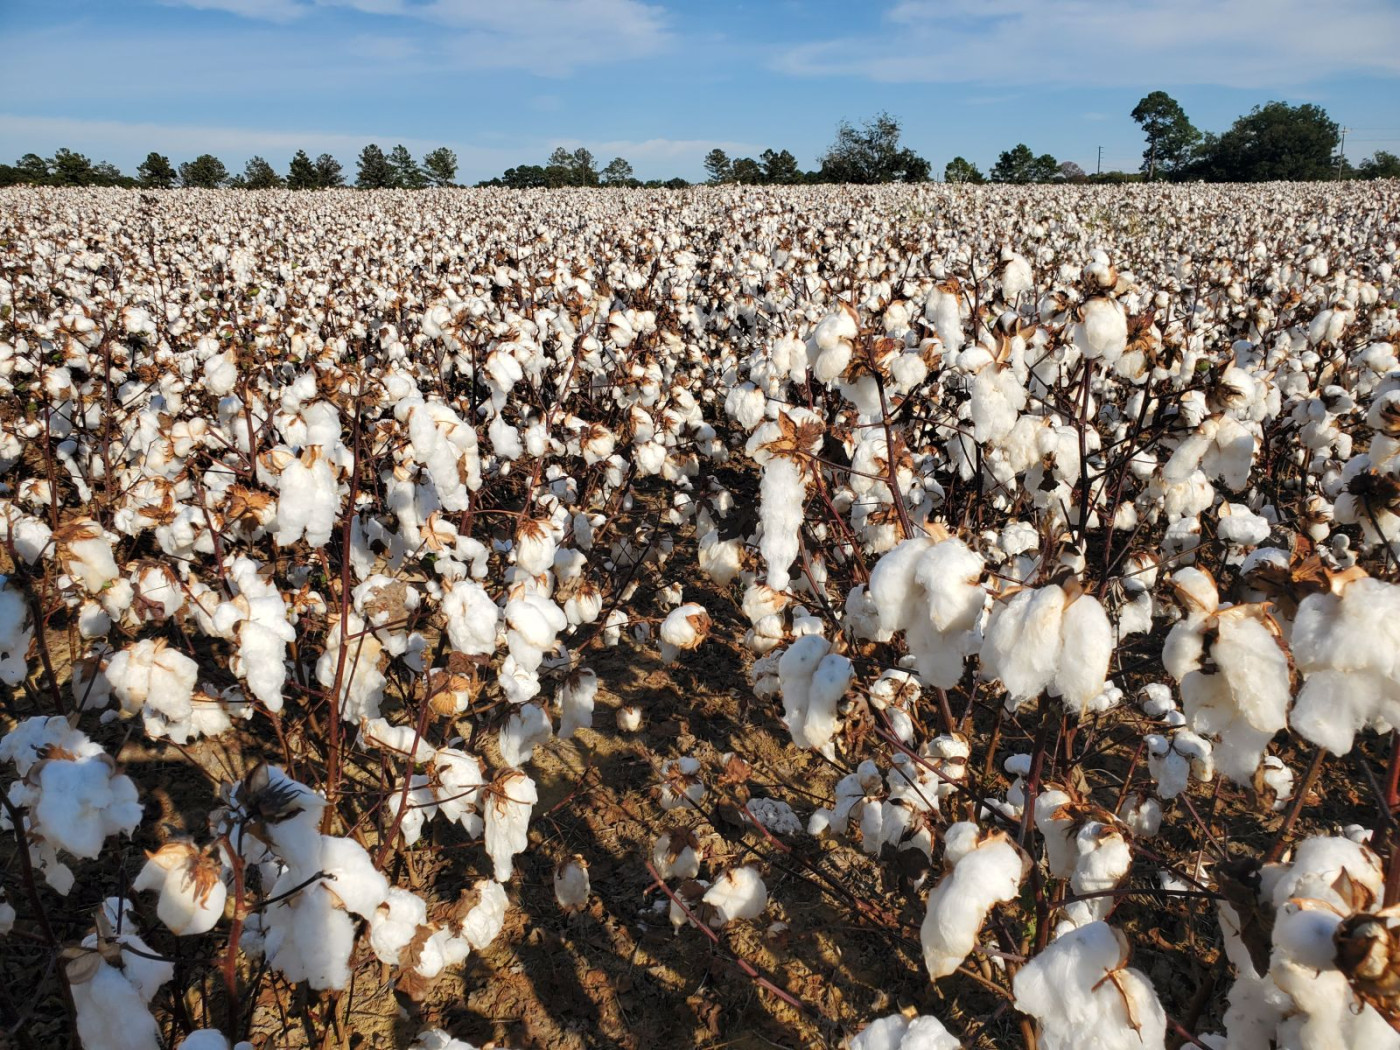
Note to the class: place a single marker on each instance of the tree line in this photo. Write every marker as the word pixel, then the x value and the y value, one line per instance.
pixel 1274 141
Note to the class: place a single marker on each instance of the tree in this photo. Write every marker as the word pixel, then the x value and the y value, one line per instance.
pixel 406 174
pixel 105 173
pixel 718 166
pixel 524 177
pixel 1071 172
pixel 1045 169
pixel 205 172
pixel 373 170
pixel 1016 165
pixel 961 170
pixel 1171 137
pixel 440 166
pixel 259 175
pixel 872 154
pixel 618 173
pixel 301 173
pixel 1275 141
pixel 70 169
pixel 156 172
pixel 746 172
pixel 329 173
pixel 584 169
pixel 33 168
pixel 780 168
pixel 1380 165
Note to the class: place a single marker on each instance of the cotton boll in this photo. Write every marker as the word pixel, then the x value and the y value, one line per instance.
pixel 1082 995
pixel 983 872
pixel 1103 862
pixel 527 727
pixel 472 618
pixel 307 937
pixel 900 1032
pixel 629 719
pixel 510 798
pixel 676 855
pixel 737 894
pixel 1085 654
pixel 571 884
pixel 81 801
pixel 1022 642
pixel 1103 329
pixel 576 696
pixel 680 782
pixel 484 920
pixel 395 923
pixel 192 892
pixel 684 628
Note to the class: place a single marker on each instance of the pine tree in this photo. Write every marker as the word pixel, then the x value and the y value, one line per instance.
pixel 301 174
pixel 374 170
pixel 156 172
pixel 407 175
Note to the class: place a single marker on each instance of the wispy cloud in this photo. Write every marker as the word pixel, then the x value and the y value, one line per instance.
pixel 1237 43
pixel 545 37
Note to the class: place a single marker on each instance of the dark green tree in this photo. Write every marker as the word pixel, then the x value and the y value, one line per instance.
pixel 618 173
pixel 258 174
pixel 407 174
pixel 871 154
pixel 780 168
pixel 156 172
pixel 962 170
pixel 33 168
pixel 1016 165
pixel 205 172
pixel 584 168
pixel 70 169
pixel 301 173
pixel 329 173
pixel 746 171
pixel 105 173
pixel 374 172
pixel 440 166
pixel 525 177
pixel 1045 169
pixel 1379 165
pixel 1071 172
pixel 1275 141
pixel 718 166
pixel 1171 137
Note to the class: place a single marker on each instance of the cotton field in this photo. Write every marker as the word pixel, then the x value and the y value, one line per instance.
pixel 915 617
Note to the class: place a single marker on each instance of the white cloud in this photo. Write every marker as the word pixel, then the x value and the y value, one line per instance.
pixel 545 37
pixel 1237 43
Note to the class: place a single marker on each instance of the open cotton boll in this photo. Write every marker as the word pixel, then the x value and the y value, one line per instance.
pixel 192 892
pixel 571 885
pixel 308 500
pixel 1085 653
pixel 527 727
pixel 85 554
pixel 102 995
pixel 210 1039
pixel 158 682
pixel 443 443
pixel 308 938
pixel 833 339
pixel 351 657
pixel 1172 761
pixel 75 803
pixel 395 923
pixel 681 783
pixel 1102 331
pixel 1022 643
pixel 472 618
pixel 456 780
pixel 1240 527
pixel 898 1032
pixel 1084 997
pixel 487 914
pixel 737 894
pixel 1103 862
pixel 984 871
pixel 509 801
pixel 684 628
pixel 813 680
pixel 437 1039
pixel 1345 644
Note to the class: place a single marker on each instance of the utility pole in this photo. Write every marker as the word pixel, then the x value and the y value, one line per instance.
pixel 1342 153
pixel 1098 168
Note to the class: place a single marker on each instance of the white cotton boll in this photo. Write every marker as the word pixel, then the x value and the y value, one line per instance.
pixel 157 681
pixel 1279 779
pixel 1061 852
pixel 898 1032
pixel 484 921
pixel 737 894
pixel 629 719
pixel 395 923
pixel 1084 657
pixel 1083 997
pixel 86 554
pixel 571 884
pixel 984 872
pixel 576 697
pixel 833 340
pixel 401 740
pixel 352 876
pixel 191 889
pixel 527 727
pixel 472 618
pixel 307 937
pixel 1103 329
pixel 352 656
pixel 675 855
pixel 456 779
pixel 782 497
pixel 437 1039
pixel 510 799
pixel 221 374
pixel 105 995
pixel 1240 527
pixel 950 572
pixel 308 501
pixel 680 782
pixel 1022 642
pixel 721 560
pixel 1103 862
pixel 81 801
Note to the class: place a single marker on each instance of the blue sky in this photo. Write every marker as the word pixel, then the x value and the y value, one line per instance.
pixel 503 82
